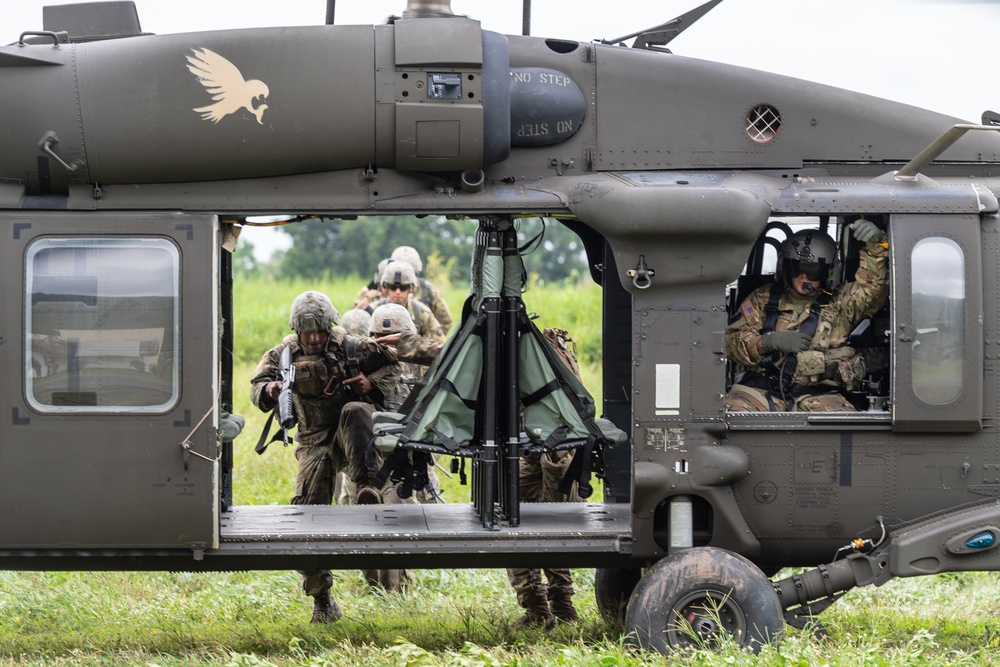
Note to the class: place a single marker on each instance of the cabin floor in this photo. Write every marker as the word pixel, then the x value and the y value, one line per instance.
pixel 432 536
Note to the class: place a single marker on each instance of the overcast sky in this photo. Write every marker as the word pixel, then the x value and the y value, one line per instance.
pixel 936 54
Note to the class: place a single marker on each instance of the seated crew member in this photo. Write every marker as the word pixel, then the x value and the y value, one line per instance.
pixel 788 338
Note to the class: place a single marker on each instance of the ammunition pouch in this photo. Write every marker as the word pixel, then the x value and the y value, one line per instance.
pixel 311 376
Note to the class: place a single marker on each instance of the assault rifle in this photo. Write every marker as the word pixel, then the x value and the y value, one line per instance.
pixel 286 413
pixel 285 410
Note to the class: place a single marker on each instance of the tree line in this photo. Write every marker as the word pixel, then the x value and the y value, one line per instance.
pixel 354 247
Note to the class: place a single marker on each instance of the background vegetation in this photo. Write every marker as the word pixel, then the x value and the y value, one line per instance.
pixel 447 617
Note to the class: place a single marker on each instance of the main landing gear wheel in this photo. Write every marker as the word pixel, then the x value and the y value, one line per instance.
pixel 695 596
pixel 612 588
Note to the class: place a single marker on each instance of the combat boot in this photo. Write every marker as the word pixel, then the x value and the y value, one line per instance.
pixel 325 609
pixel 536 612
pixel 561 604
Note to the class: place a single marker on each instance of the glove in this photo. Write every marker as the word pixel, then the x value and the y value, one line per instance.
pixel 865 230
pixel 786 341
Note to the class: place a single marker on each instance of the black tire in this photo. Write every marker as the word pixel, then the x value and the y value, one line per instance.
pixel 612 589
pixel 696 595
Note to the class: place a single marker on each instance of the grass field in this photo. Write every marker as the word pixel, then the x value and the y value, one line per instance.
pixel 447 617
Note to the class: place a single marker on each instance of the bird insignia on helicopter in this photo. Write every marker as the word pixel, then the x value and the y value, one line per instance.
pixel 230 91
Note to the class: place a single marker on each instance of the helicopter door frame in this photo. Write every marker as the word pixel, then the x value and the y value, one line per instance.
pixel 109 359
pixel 937 322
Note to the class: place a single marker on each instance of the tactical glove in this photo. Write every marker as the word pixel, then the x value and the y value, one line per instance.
pixel 786 341
pixel 865 230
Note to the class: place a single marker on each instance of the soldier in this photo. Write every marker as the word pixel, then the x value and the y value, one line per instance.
pixel 789 338
pixel 423 290
pixel 340 381
pixel 391 319
pixel 372 290
pixel 398 280
pixel 549 600
pixel 539 476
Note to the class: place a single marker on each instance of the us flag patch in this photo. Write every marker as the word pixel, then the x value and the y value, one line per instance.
pixel 747 309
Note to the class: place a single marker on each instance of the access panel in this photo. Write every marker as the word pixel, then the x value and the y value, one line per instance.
pixel 109 362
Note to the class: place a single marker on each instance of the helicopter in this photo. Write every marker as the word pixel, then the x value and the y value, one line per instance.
pixel 137 159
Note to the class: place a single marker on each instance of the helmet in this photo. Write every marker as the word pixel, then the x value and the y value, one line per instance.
pixel 390 318
pixel 399 273
pixel 356 321
pixel 312 311
pixel 408 254
pixel 809 251
pixel 378 272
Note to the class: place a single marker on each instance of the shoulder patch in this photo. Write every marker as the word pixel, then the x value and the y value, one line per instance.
pixel 747 309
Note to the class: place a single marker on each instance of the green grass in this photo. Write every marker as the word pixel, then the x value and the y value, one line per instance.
pixel 448 617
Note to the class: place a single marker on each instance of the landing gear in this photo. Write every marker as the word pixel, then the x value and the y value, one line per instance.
pixel 695 596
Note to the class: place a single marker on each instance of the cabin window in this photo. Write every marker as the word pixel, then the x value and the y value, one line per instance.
pixel 102 316
pixel 938 292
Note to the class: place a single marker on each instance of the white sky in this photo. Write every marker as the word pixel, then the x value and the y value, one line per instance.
pixel 935 54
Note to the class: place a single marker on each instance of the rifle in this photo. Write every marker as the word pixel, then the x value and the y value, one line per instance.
pixel 286 414
pixel 285 410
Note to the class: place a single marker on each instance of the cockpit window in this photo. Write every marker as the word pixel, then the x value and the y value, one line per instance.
pixel 103 321
pixel 938 291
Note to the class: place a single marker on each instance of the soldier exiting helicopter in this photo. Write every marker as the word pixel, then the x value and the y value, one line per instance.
pixel 789 337
pixel 339 381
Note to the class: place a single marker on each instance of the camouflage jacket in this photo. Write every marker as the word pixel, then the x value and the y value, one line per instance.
pixel 427 324
pixel 316 393
pixel 366 295
pixel 430 296
pixel 827 358
pixel 416 349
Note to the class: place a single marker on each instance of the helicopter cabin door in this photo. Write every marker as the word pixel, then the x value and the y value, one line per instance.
pixel 937 316
pixel 109 364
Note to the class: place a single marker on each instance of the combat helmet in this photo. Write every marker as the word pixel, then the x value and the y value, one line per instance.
pixel 408 254
pixel 390 318
pixel 356 321
pixel 378 272
pixel 808 251
pixel 312 311
pixel 399 273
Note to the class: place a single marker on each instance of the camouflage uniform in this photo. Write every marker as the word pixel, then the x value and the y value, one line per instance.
pixel 334 425
pixel 366 295
pixel 423 290
pixel 383 324
pixel 828 363
pixel 371 291
pixel 417 349
pixel 427 325
pixel 426 293
pixel 539 478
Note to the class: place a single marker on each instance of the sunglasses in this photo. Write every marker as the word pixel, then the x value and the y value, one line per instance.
pixel 396 287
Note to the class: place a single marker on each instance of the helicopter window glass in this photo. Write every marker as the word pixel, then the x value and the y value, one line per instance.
pixel 103 321
pixel 938 270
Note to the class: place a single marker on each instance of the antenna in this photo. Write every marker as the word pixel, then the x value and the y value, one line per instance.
pixel 662 34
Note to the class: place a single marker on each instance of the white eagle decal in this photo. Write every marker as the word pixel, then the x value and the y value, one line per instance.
pixel 230 91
